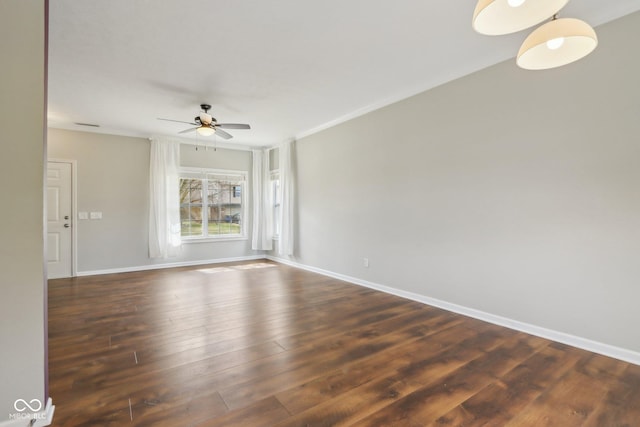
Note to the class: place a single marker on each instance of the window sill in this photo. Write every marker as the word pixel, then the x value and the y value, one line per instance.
pixel 213 239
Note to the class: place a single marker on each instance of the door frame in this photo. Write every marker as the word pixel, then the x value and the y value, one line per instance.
pixel 74 213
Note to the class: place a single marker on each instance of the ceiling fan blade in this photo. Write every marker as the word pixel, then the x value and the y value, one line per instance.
pixel 233 126
pixel 177 121
pixel 223 134
pixel 188 130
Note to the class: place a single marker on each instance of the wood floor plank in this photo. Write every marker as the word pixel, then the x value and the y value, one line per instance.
pixel 120 369
pixel 263 413
pixel 163 408
pixel 263 344
pixel 360 402
pixel 621 405
pixel 352 375
pixel 503 399
pixel 475 370
pixel 355 346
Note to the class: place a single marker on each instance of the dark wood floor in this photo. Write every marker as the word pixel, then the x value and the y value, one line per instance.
pixel 262 344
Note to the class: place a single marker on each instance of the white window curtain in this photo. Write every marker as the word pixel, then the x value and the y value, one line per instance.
pixel 261 237
pixel 164 207
pixel 287 188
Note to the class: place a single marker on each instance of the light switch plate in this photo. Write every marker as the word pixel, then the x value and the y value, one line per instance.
pixel 95 215
pixel 83 215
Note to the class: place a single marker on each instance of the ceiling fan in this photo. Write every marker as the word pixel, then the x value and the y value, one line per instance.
pixel 207 125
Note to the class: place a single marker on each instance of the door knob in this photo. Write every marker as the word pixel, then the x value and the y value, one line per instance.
pixel 66 226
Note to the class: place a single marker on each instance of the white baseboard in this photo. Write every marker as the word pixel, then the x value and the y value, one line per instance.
pixel 572 340
pixel 168 265
pixel 42 418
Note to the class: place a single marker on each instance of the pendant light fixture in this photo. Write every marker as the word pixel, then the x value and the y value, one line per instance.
pixel 557 43
pixel 498 17
pixel 554 44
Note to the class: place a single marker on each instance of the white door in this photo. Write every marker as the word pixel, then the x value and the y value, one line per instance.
pixel 59 220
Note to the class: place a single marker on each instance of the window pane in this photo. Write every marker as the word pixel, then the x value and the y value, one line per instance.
pixel 237 193
pixel 225 206
pixel 211 206
pixel 191 207
pixel 214 219
pixel 215 215
pixel 191 221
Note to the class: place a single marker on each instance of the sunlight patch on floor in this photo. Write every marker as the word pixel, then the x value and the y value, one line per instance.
pixel 213 270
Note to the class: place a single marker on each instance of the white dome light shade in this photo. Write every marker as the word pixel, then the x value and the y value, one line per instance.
pixel 557 43
pixel 205 130
pixel 497 17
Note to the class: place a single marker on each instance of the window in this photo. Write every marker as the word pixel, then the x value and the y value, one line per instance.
pixel 212 204
pixel 275 197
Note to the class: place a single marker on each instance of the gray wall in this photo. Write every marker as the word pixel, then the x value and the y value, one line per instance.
pixel 507 191
pixel 113 178
pixel 22 106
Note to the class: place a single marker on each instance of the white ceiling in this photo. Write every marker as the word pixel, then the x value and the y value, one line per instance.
pixel 287 67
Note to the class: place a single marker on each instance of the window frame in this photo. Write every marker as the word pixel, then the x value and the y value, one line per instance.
pixel 205 174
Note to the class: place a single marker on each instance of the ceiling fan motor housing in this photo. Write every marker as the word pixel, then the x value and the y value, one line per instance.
pixel 205 119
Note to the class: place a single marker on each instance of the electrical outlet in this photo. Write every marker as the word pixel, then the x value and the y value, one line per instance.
pixel 365 262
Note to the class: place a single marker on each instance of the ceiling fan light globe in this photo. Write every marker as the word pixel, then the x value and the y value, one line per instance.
pixel 205 131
